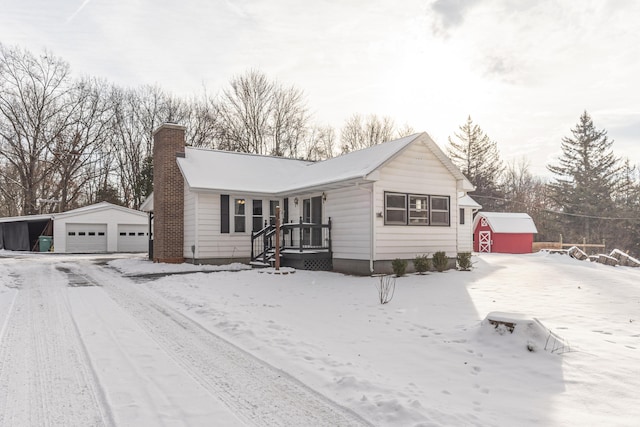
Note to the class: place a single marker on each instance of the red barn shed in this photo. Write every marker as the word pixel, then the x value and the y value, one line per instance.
pixel 503 232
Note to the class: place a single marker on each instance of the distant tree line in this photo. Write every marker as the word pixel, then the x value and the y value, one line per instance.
pixel 593 194
pixel 66 142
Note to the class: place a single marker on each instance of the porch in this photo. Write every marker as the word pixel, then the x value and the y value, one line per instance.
pixel 305 246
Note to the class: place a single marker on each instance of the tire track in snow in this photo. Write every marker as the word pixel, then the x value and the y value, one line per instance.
pixel 45 376
pixel 257 392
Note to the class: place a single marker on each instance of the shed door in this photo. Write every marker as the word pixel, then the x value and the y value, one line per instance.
pixel 484 241
pixel 132 238
pixel 86 238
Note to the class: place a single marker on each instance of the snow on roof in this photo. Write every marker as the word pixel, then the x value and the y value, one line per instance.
pixel 41 217
pixel 147 205
pixel 97 207
pixel 231 171
pixel 507 222
pixel 466 201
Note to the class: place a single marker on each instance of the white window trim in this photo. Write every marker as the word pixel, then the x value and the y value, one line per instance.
pixel 236 216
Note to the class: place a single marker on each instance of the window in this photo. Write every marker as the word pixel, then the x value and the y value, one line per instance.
pixel 81 233
pixel 238 216
pixel 418 210
pixel 131 233
pixel 461 216
pixel 395 206
pixel 100 233
pixel 122 233
pixel 257 215
pixel 92 233
pixel 72 233
pixel 439 210
pixel 140 234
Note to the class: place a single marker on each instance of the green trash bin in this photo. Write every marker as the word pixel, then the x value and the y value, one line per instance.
pixel 45 243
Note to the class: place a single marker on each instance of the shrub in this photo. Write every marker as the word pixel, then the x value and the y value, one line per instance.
pixel 422 264
pixel 386 289
pixel 440 261
pixel 399 266
pixel 464 261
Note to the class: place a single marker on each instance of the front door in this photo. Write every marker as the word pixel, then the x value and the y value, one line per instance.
pixel 312 214
pixel 484 241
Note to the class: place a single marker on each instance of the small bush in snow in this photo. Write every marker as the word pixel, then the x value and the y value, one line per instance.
pixel 422 264
pixel 440 261
pixel 399 266
pixel 464 261
pixel 386 288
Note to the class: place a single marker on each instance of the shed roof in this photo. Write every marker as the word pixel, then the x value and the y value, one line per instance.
pixel 507 222
pixel 205 169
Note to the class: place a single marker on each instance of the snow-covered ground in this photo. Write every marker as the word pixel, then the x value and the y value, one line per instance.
pixel 186 349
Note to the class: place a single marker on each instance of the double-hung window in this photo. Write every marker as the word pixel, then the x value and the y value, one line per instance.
pixel 239 215
pixel 439 210
pixel 395 206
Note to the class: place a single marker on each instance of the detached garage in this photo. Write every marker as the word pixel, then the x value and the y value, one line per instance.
pixel 102 227
pixel 503 232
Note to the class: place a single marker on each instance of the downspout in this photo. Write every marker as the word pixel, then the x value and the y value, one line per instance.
pixel 371 224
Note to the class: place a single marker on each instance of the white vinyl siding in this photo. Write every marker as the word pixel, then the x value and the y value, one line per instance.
pixel 351 216
pixel 416 171
pixel 190 220
pixel 465 232
pixel 211 243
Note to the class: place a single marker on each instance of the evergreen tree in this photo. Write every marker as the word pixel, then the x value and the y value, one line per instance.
pixel 478 159
pixel 586 179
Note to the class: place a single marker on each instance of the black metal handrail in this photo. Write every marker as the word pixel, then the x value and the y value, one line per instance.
pixel 298 236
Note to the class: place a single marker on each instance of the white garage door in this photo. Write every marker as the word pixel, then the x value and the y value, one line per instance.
pixel 133 238
pixel 86 238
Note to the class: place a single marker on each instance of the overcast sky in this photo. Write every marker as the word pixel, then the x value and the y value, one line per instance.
pixel 524 70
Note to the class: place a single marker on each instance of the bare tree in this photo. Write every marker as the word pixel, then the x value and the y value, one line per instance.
pixel 79 148
pixel 288 121
pixel 37 107
pixel 136 114
pixel 202 121
pixel 358 133
pixel 319 143
pixel 256 115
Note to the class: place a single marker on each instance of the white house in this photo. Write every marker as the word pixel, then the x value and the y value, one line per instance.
pixel 102 227
pixel 354 213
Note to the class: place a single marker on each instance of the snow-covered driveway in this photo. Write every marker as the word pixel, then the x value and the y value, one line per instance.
pixel 81 345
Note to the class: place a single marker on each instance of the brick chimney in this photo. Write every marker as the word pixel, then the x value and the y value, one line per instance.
pixel 168 194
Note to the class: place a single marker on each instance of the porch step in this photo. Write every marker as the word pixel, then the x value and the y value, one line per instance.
pixel 260 264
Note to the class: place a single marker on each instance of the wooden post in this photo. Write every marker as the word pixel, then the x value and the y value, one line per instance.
pixel 277 238
pixel 301 233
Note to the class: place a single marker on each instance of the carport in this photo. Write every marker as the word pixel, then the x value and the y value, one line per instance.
pixel 22 233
